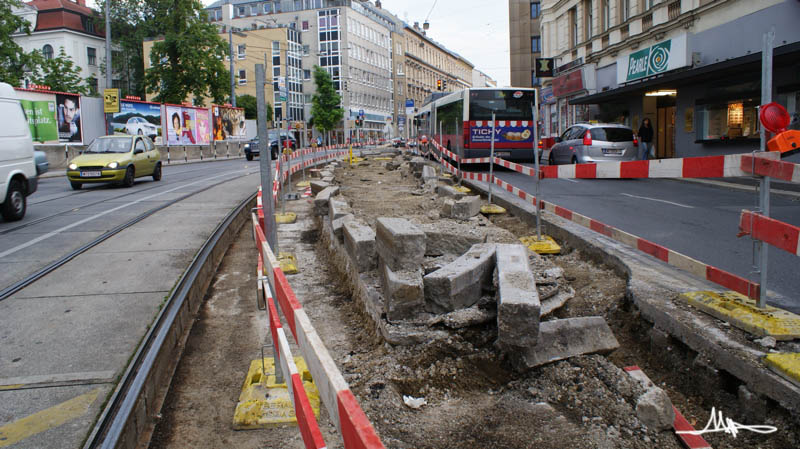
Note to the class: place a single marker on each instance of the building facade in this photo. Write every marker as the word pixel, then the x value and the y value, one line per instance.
pixel 67 25
pixel 480 79
pixel 526 41
pixel 692 66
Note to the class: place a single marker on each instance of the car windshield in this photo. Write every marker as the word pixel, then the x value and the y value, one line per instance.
pixel 609 134
pixel 110 145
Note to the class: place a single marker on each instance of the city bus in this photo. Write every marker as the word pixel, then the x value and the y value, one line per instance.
pixel 462 122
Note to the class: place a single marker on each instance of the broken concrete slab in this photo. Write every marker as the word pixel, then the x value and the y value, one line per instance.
pixel 562 339
pixel 359 242
pixel 447 237
pixel 445 191
pixel 416 165
pixel 518 308
pixel 654 410
pixel 328 179
pixel 322 199
pixel 400 244
pixel 318 186
pixel 403 293
pixel 459 284
pixel 459 319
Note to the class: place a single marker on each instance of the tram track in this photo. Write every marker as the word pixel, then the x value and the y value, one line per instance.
pixel 52 266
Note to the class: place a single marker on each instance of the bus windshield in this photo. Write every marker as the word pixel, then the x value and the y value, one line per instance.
pixel 509 104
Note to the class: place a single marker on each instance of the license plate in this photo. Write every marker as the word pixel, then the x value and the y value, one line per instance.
pixel 91 174
pixel 607 151
pixel 502 153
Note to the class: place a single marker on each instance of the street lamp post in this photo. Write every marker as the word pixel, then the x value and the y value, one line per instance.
pixel 230 54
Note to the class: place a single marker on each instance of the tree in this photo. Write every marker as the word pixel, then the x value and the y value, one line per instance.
pixel 325 103
pixel 13 59
pixel 190 58
pixel 60 74
pixel 250 105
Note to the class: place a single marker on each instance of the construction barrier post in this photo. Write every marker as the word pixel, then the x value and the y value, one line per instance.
pixel 764 184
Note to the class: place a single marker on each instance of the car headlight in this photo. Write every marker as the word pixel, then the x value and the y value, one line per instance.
pixel 73 166
pixel 113 165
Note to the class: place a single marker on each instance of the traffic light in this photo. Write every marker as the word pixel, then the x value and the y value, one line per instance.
pixel 438 84
pixel 444 85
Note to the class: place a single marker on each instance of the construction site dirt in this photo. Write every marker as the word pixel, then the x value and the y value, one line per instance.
pixel 474 397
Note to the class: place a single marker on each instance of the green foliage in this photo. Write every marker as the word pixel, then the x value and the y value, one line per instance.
pixel 250 105
pixel 60 74
pixel 13 58
pixel 189 61
pixel 325 104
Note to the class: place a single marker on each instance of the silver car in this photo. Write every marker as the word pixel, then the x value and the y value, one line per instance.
pixel 587 143
pixel 140 126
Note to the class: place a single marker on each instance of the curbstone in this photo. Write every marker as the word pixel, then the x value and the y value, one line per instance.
pixel 403 293
pixel 518 307
pixel 337 208
pixel 400 244
pixel 338 225
pixel 323 198
pixel 445 191
pixel 562 339
pixel 459 284
pixel 318 186
pixel 455 240
pixel 359 242
pixel 467 207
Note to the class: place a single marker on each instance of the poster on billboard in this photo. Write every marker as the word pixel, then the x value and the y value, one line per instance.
pixel 182 125
pixel 202 125
pixel 138 118
pixel 41 119
pixel 503 134
pixel 68 116
pixel 229 123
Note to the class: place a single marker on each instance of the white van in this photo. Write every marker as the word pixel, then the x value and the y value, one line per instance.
pixel 17 168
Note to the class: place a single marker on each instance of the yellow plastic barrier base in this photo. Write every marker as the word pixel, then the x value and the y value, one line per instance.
pixel 492 209
pixel 288 263
pixel 356 160
pixel 742 312
pixel 264 403
pixel 303 184
pixel 382 159
pixel 463 189
pixel 786 365
pixel 545 245
pixel 285 218
pixel 447 175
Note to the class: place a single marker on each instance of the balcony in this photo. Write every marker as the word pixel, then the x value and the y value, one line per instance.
pixel 647 22
pixel 674 10
pixel 624 32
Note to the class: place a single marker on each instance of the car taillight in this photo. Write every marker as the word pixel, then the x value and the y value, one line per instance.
pixel 635 142
pixel 541 145
pixel 587 138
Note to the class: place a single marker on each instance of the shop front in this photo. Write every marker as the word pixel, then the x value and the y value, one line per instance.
pixel 558 109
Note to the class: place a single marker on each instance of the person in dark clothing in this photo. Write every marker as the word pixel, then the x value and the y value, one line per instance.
pixel 645 139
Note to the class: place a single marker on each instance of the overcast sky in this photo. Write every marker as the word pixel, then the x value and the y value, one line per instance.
pixel 475 29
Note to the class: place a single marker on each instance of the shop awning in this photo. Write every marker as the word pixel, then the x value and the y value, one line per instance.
pixel 745 67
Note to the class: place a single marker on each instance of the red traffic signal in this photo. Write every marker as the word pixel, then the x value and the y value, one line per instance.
pixel 438 84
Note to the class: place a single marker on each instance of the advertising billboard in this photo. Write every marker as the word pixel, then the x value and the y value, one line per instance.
pixel 41 119
pixel 503 134
pixel 202 124
pixel 183 126
pixel 138 118
pixel 228 123
pixel 68 117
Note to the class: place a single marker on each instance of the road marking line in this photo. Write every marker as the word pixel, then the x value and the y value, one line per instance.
pixel 88 219
pixel 656 199
pixel 571 180
pixel 88 377
pixel 46 419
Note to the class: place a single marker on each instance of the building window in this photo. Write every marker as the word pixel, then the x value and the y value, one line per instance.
pixel 624 11
pixel 241 50
pixel 242 76
pixel 588 18
pixel 535 82
pixel 606 12
pixel 47 51
pixel 573 25
pixel 93 87
pixel 91 56
pixel 536 44
pixel 727 120
pixel 536 9
pixel 305 25
pixel 241 12
pixel 306 74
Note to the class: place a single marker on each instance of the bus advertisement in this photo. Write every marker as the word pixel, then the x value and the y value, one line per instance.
pixel 462 122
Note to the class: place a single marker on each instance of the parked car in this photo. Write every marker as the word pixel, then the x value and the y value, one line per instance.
pixel 42 165
pixel 140 126
pixel 586 143
pixel 398 142
pixel 251 149
pixel 118 159
pixel 17 167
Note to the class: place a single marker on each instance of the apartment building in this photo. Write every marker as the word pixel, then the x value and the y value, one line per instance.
pixel 480 79
pixel 526 41
pixel 692 66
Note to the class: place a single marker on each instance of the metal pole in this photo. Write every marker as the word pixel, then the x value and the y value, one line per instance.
pixel 534 115
pixel 265 162
pixel 459 157
pixel 230 55
pixel 491 161
pixel 764 184
pixel 109 127
pixel 441 144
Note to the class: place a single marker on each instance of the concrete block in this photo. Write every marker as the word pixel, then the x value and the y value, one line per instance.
pixel 399 243
pixel 359 242
pixel 451 238
pixel 518 307
pixel 459 284
pixel 467 207
pixel 449 192
pixel 429 174
pixel 327 173
pixel 416 164
pixel 562 339
pixel 318 186
pixel 328 179
pixel 338 225
pixel 654 410
pixel 337 208
pixel 322 199
pixel 403 293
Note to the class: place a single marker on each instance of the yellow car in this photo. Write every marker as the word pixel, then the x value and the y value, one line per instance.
pixel 117 159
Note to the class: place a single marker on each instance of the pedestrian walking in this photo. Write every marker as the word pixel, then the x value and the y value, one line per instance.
pixel 645 139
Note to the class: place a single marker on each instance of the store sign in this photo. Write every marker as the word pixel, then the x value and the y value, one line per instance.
pixel 544 67
pixel 659 58
pixel 409 106
pixel 570 65
pixel 547 95
pixel 566 84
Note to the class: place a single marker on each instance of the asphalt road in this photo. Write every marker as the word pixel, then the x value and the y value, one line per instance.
pixel 698 220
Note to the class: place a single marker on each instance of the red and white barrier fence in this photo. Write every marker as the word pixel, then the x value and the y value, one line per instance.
pixel 777 233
